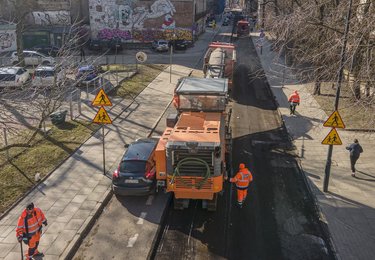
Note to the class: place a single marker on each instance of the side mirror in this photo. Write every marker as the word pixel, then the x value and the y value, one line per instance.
pixel 126 145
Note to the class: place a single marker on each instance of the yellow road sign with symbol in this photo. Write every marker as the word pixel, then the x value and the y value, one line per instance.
pixel 332 138
pixel 102 117
pixel 101 99
pixel 334 120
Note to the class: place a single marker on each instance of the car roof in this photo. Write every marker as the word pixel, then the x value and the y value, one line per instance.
pixel 50 68
pixel 9 70
pixel 140 149
pixel 86 67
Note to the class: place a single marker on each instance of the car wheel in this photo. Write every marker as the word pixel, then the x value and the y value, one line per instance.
pixel 46 63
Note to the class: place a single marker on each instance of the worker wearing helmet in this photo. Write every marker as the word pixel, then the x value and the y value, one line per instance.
pixel 29 229
pixel 294 100
pixel 242 181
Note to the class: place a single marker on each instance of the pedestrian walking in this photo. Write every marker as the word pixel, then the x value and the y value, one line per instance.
pixel 82 54
pixel 294 100
pixel 355 149
pixel 29 229
pixel 242 181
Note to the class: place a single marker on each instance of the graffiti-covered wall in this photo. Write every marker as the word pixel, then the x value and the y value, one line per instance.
pixel 143 21
pixel 49 18
pixel 7 37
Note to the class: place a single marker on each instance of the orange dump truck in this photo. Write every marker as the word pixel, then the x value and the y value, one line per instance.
pixel 243 28
pixel 219 61
pixel 194 150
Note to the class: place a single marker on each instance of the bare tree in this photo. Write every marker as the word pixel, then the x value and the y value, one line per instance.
pixel 310 33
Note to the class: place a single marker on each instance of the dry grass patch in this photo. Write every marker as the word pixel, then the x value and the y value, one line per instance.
pixel 355 114
pixel 46 152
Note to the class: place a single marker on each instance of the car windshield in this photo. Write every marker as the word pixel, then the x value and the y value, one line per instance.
pixel 130 166
pixel 7 77
pixel 163 42
pixel 44 73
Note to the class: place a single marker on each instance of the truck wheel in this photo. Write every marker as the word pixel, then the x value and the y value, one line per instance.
pixel 178 204
pixel 212 204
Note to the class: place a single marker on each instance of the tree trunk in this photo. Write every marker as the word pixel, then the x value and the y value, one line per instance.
pixel 317 88
pixel 357 89
pixel 19 30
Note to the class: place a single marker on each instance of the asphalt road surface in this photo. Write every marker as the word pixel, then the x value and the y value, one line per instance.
pixel 278 220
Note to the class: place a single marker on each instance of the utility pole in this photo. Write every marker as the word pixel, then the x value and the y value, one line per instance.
pixel 337 98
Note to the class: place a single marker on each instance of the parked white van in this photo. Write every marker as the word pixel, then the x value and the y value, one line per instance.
pixel 44 76
pixel 13 77
pixel 32 58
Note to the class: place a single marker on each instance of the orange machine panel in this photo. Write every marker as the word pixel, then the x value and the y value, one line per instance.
pixel 160 155
pixel 194 187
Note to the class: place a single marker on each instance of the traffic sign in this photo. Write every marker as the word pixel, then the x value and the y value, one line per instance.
pixel 332 138
pixel 102 117
pixel 141 56
pixel 101 99
pixel 334 120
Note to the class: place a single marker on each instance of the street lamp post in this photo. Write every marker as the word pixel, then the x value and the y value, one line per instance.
pixel 339 81
pixel 170 58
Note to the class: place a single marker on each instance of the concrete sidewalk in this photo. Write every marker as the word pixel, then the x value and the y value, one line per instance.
pixel 75 192
pixel 348 207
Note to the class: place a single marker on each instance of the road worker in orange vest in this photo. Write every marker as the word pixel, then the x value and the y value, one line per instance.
pixel 294 100
pixel 242 181
pixel 29 229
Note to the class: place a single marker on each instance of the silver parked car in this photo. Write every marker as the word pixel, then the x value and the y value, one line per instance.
pixel 44 76
pixel 32 58
pixel 13 77
pixel 160 45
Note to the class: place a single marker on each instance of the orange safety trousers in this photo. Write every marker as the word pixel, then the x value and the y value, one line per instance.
pixel 241 195
pixel 33 245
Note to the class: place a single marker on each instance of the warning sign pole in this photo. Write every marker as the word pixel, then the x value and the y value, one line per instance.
pixel 102 116
pixel 338 88
pixel 104 173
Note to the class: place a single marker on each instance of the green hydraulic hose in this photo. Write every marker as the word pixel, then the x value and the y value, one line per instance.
pixel 194 161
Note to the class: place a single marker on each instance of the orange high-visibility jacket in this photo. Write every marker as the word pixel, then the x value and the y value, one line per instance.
pixel 294 97
pixel 242 178
pixel 33 223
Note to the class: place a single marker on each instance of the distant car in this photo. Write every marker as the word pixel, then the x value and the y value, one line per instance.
pixel 160 45
pixel 180 44
pixel 115 45
pixel 95 45
pixel 32 58
pixel 44 76
pixel 225 22
pixel 47 50
pixel 13 77
pixel 136 171
pixel 87 73
pixel 211 23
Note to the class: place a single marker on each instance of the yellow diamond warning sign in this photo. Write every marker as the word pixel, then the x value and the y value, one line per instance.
pixel 102 117
pixel 334 120
pixel 101 99
pixel 332 138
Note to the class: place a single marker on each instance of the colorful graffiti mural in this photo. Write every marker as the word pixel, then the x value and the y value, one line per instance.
pixel 146 35
pixel 136 20
pixel 128 14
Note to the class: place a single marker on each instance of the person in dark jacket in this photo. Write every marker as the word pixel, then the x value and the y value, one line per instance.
pixel 355 150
